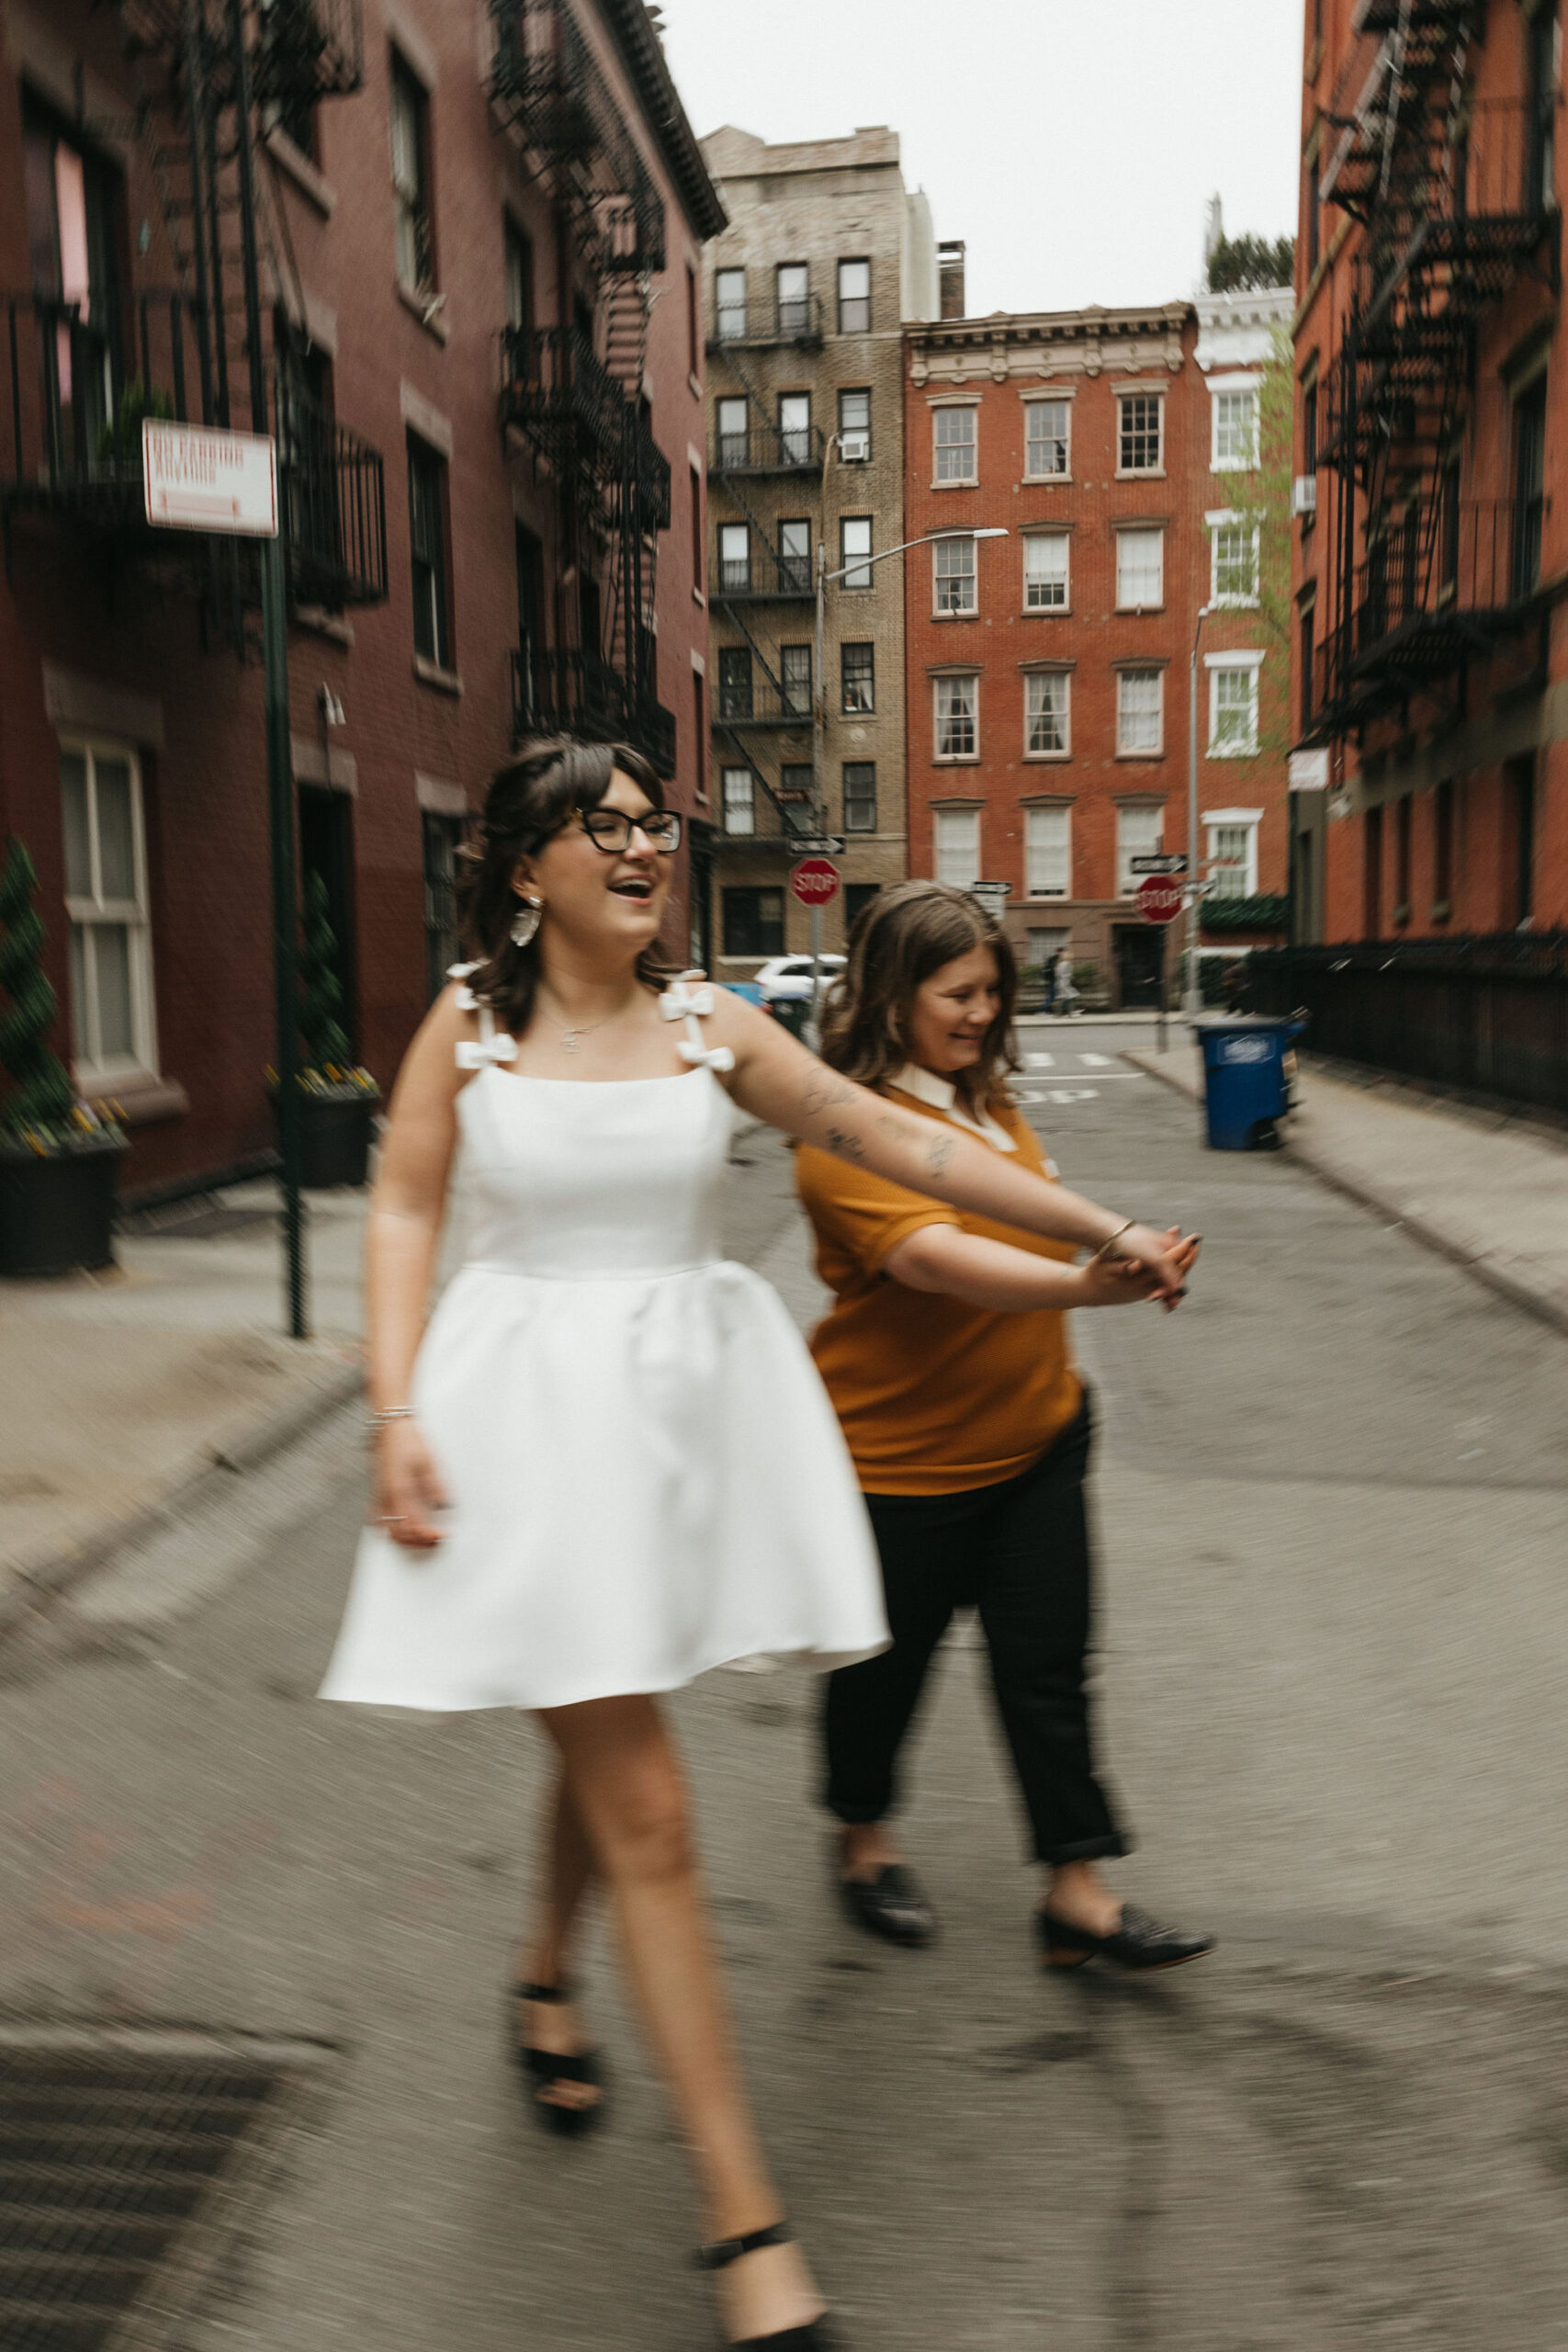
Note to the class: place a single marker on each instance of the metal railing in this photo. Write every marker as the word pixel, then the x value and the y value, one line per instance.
pixel 545 85
pixel 77 387
pixel 1484 1016
pixel 556 391
pixel 561 690
pixel 758 702
pixel 332 487
pixel 763 575
pixel 308 50
pixel 758 325
pixel 769 449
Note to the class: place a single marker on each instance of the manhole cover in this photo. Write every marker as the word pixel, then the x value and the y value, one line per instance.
pixel 127 2160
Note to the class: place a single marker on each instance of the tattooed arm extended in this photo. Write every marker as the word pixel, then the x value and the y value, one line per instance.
pixel 777 1079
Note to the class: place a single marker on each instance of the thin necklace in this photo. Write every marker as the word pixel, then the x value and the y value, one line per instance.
pixel 570 1038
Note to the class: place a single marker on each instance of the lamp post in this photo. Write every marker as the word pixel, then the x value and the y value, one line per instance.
pixel 819 729
pixel 1192 995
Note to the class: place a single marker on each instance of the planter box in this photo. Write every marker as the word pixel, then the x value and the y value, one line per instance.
pixel 335 1135
pixel 57 1214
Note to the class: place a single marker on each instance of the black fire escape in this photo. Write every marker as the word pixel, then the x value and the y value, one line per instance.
pixel 571 395
pixel 210 78
pixel 1454 198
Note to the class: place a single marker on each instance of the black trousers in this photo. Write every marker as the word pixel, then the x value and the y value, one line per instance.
pixel 1019 1553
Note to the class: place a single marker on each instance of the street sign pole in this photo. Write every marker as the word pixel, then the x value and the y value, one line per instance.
pixel 280 809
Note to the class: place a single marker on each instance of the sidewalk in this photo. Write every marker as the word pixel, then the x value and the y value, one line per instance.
pixel 1489 1194
pixel 190 1326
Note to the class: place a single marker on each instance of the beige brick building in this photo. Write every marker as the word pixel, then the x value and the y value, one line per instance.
pixel 826 256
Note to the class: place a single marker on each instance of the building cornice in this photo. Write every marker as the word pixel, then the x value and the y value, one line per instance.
pixel 642 54
pixel 1089 343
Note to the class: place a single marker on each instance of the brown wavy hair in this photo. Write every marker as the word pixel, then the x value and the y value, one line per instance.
pixel 529 800
pixel 903 936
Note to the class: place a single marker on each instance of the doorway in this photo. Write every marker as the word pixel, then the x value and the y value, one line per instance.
pixel 326 848
pixel 1139 950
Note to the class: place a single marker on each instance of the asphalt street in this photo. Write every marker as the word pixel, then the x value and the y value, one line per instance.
pixel 1332 1493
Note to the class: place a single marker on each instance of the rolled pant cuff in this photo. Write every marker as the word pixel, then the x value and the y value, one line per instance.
pixel 1086 1849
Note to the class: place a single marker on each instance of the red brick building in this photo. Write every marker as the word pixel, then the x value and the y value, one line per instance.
pixel 1048 672
pixel 478 228
pixel 1432 663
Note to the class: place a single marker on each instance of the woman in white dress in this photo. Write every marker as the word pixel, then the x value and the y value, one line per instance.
pixel 607 1464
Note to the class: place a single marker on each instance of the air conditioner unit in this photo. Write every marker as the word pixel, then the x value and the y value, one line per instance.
pixel 1303 495
pixel 854 448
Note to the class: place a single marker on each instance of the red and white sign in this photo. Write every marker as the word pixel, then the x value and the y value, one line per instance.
pixel 814 881
pixel 1161 898
pixel 196 480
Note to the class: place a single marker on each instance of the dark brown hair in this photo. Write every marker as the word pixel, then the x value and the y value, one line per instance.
pixel 902 936
pixel 529 800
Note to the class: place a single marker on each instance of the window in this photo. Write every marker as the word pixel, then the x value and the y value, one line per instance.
pixel 794 677
pixel 442 835
pixel 729 304
pixel 1529 481
pixel 105 902
pixel 1232 853
pixel 410 178
pixel 1232 705
pixel 1314 210
pixel 734 682
pixel 1519 802
pixel 739 787
pixel 854 298
pixel 858 664
pixel 794 429
pixel 858 896
pixel 1140 432
pixel 1140 570
pixel 1047 442
pixel 797 790
pixel 957 709
pixel 1140 713
pixel 854 421
pixel 1233 545
pixel 1309 428
pixel 73 206
pixel 958 847
pixel 694 335
pixel 754 922
pixel 1235 429
pixel 732 436
pixel 1048 853
pixel 793 285
pixel 1448 529
pixel 1402 809
pixel 519 265
pixel 734 556
pixel 1048 729
pixel 794 555
pixel 1545 38
pixel 427 550
pixel 860 796
pixel 854 539
pixel 1443 848
pixel 953 430
pixel 1371 875
pixel 1306 627
pixel 698 532
pixel 293 111
pixel 1140 832
pixel 952 564
pixel 700 727
pixel 529 554
pixel 1045 571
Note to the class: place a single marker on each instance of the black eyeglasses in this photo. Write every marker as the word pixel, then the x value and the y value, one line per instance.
pixel 610 830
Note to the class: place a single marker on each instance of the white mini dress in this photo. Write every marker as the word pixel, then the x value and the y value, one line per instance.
pixel 646 1477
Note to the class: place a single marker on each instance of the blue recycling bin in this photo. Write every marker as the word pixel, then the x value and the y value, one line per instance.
pixel 1245 1092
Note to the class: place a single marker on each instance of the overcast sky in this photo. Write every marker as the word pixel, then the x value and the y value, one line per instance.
pixel 1073 143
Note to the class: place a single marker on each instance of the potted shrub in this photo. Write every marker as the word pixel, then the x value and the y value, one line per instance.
pixel 337 1100
pixel 58 1159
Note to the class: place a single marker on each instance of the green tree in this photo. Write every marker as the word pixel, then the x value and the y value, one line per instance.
pixel 321 992
pixel 1260 499
pixel 41 1093
pixel 1248 265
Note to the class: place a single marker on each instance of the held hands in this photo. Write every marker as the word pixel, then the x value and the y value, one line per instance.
pixel 408 1486
pixel 1141 1265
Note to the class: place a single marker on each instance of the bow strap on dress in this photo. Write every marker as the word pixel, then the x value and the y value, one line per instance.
pixel 681 1002
pixel 489 1047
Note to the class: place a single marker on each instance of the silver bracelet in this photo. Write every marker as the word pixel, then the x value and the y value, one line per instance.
pixel 1111 1240
pixel 386 1413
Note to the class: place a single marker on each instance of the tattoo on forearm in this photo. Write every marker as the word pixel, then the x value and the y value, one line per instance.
pixel 844 1146
pixel 940 1156
pixel 823 1090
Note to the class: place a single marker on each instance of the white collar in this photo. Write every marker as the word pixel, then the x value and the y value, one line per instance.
pixel 942 1095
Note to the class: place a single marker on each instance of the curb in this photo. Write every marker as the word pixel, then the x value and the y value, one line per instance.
pixel 33 1584
pixel 1526 1296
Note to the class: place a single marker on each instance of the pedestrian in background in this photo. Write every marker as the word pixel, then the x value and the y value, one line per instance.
pixel 1065 994
pixel 946 1355
pixel 607 1464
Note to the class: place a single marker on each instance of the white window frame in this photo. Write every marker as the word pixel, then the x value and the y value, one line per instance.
pixel 1064 712
pixel 1239 659
pixel 748 802
pixel 728 533
pixel 1218 820
pixel 858 578
pixel 1225 519
pixel 1124 750
pixel 950 821
pixel 854 261
pixel 723 310
pixel 962 540
pixel 1139 604
pixel 1049 399
pixel 1149 842
pixel 1042 857
pixel 1222 388
pixel 86 914
pixel 1141 473
pixel 944 686
pixel 939 449
pixel 1064 540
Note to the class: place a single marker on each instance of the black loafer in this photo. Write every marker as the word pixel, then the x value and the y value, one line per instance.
pixel 1139 1942
pixel 891 1904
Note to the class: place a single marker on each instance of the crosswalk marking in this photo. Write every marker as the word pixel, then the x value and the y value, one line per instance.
pixel 1041 1061
pixel 1095 1061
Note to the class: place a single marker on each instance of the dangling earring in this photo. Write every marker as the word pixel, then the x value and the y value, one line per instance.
pixel 529 917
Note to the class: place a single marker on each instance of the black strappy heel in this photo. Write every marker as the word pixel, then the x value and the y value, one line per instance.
pixel 816 2336
pixel 545 2067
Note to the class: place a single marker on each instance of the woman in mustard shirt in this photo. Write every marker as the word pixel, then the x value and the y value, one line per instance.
pixel 945 1353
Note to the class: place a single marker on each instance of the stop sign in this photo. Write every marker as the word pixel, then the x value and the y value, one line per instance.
pixel 815 880
pixel 1161 898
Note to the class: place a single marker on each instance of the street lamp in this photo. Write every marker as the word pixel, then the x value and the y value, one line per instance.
pixel 1192 995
